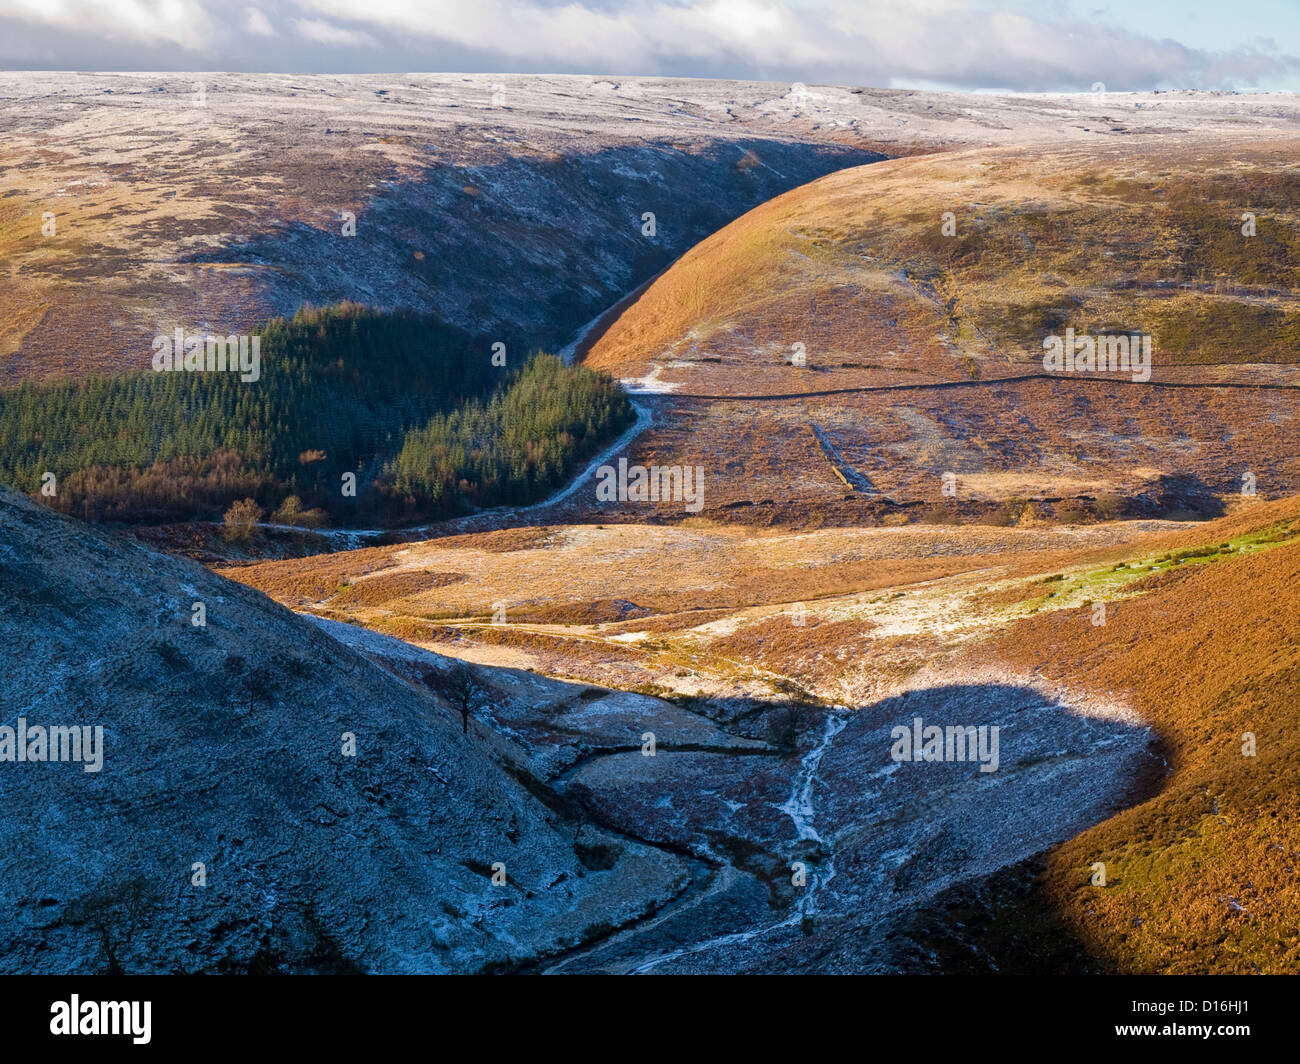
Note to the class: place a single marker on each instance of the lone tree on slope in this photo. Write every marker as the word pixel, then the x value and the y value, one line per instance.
pixel 464 692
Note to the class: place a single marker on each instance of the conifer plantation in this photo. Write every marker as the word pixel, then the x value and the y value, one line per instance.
pixel 516 447
pixel 340 390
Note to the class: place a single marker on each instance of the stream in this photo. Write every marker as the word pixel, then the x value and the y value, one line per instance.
pixel 799 807
pixel 880 837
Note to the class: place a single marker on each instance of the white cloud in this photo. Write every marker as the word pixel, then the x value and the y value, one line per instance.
pixel 181 22
pixel 956 42
pixel 258 24
pixel 1013 44
pixel 327 33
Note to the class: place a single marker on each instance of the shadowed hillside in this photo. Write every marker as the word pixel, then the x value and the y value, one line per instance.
pixel 511 207
pixel 225 746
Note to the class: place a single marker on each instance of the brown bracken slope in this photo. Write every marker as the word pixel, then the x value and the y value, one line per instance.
pixel 1205 875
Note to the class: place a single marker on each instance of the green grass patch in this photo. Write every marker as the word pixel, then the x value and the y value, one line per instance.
pixel 1115 581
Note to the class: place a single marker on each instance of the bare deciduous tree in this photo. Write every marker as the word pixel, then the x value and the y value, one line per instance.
pixel 464 692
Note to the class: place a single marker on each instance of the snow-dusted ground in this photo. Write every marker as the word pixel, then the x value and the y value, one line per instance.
pixel 874 838
pixel 650 384
pixel 228 745
pixel 512 205
pixel 515 214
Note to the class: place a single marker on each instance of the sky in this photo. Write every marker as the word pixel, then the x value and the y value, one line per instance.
pixel 1017 45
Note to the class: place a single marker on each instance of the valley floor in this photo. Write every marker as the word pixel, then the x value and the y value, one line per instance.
pixel 772 667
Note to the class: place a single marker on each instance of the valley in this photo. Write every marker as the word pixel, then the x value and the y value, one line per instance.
pixel 669 719
pixel 761 648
